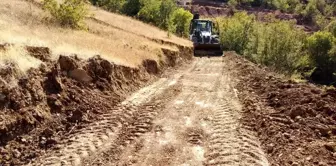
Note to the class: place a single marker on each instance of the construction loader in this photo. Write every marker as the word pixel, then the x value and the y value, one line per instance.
pixel 206 41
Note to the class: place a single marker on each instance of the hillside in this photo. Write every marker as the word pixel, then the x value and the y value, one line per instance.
pixel 108 34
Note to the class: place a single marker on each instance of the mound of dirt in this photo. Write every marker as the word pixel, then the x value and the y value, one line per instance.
pixel 61 96
pixel 296 122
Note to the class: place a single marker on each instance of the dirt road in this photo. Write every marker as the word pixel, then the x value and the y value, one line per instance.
pixel 189 118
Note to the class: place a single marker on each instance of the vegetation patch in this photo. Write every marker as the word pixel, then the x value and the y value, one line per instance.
pixel 281 46
pixel 70 13
pixel 164 14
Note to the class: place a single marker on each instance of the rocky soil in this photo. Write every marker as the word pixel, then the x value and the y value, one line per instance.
pixel 296 122
pixel 189 117
pixel 217 110
pixel 41 107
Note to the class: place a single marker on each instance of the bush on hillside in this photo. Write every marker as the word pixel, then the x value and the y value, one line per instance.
pixel 310 11
pixel 167 8
pixel 277 44
pixel 293 5
pixel 279 4
pixel 131 7
pixel 70 13
pixel 322 51
pixel 331 27
pixel 233 3
pixel 320 47
pixel 150 11
pixel 160 13
pixel 110 5
pixel 316 11
pixel 234 31
pixel 283 5
pixel 321 21
pixel 182 18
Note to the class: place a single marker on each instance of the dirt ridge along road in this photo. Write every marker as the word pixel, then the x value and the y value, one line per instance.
pixel 191 118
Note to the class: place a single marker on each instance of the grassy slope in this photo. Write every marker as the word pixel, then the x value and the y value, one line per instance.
pixel 117 38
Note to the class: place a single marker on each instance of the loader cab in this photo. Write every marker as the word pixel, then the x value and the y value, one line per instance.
pixel 201 26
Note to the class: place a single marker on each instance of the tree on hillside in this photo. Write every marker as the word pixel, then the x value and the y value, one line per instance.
pixel 131 7
pixel 181 19
pixel 150 11
pixel 166 10
pixel 322 50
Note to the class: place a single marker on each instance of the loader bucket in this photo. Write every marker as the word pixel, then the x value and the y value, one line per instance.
pixel 207 50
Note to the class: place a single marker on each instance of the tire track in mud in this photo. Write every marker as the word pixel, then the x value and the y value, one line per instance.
pixel 87 141
pixel 141 123
pixel 102 135
pixel 178 135
pixel 191 118
pixel 135 145
pixel 230 142
pixel 117 128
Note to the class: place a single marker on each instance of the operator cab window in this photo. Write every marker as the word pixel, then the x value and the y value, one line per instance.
pixel 203 26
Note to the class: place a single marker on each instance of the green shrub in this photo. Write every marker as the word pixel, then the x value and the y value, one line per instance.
pixel 277 44
pixel 182 18
pixel 329 10
pixel 280 4
pixel 131 7
pixel 70 13
pixel 313 11
pixel 331 27
pixel 233 3
pixel 171 27
pixel 322 51
pixel 320 21
pixel 150 11
pixel 310 11
pixel 292 5
pixel 167 8
pixel 321 48
pixel 234 31
pixel 284 5
pixel 111 5
pixel 160 13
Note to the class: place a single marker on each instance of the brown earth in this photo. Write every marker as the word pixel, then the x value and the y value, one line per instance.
pixel 213 111
pixel 296 122
pixel 58 98
pixel 189 117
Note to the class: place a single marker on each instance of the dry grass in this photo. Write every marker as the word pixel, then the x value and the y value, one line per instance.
pixel 19 56
pixel 22 23
pixel 136 26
